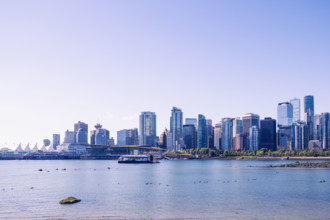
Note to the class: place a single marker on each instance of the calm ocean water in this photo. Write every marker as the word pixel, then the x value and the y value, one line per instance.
pixel 169 190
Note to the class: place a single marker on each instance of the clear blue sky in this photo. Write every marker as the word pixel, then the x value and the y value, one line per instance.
pixel 106 61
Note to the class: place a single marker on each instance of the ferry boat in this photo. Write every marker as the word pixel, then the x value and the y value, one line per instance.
pixel 137 159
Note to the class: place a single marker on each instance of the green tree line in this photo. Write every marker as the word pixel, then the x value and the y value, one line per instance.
pixel 206 152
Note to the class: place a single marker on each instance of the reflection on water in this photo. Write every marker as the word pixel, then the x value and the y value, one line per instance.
pixel 170 189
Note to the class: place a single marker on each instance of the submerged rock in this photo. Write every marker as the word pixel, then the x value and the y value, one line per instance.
pixel 40 170
pixel 305 165
pixel 69 200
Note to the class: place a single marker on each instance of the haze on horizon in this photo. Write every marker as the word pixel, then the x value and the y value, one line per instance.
pixel 107 61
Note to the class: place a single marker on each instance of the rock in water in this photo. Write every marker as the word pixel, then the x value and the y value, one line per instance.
pixel 69 200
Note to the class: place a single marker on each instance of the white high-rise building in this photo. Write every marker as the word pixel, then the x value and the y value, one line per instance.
pixel 176 127
pixel 295 102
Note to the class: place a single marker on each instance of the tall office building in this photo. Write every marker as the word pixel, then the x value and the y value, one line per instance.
pixel 284 114
pixel 202 131
pixel 56 141
pixel 81 130
pixel 299 136
pixel 254 138
pixel 317 127
pixel 309 114
pixel 325 130
pixel 284 139
pixel 46 142
pixel 210 134
pixel 100 136
pixel 217 135
pixel 148 134
pixel 268 134
pixel 169 141
pixel 189 136
pixel 249 120
pixel 237 126
pixel 295 102
pixel 162 143
pixel 127 137
pixel 70 137
pixel 192 121
pixel 176 123
pixel 121 137
pixel 227 134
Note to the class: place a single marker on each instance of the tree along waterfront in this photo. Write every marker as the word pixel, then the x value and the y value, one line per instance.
pixel 207 152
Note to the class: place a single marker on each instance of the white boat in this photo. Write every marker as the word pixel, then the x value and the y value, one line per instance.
pixel 137 159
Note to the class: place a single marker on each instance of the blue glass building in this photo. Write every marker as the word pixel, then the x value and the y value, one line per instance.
pixel 202 131
pixel 309 114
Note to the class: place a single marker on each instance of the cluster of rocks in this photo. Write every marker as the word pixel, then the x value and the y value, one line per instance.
pixel 304 165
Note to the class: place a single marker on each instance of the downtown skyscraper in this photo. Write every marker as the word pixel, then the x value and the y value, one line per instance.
pixel 309 114
pixel 202 132
pixel 147 133
pixel 176 125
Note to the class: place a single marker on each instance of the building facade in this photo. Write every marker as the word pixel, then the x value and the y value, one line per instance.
pixel 148 132
pixel 189 136
pixel 284 114
pixel 176 126
pixel 56 141
pixel 295 102
pixel 309 114
pixel 254 138
pixel 325 130
pixel 268 134
pixel 217 135
pixel 227 134
pixel 81 130
pixel 299 136
pixel 202 131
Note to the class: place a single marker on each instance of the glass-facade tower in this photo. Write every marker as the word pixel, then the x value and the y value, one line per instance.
pixel 147 129
pixel 296 109
pixel 176 127
pixel 202 131
pixel 284 114
pixel 309 114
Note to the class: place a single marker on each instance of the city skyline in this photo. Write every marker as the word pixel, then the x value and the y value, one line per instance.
pixel 107 62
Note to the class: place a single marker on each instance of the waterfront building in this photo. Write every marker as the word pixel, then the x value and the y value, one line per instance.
pixel 70 137
pixel 169 141
pixel 268 134
pixel 192 121
pixel 249 120
pixel 92 137
pixel 284 114
pixel 162 143
pixel 239 141
pixel 121 137
pixel 176 126
pixel 27 148
pixel 81 136
pixel 189 136
pixel 237 127
pixel 295 102
pixel 81 130
pixel 210 134
pixel 227 134
pixel 100 136
pixel 254 138
pixel 284 139
pixel 111 142
pixel 325 130
pixel 309 114
pixel 202 131
pixel 56 141
pixel 46 142
pixel 217 135
pixel 317 127
pixel 127 137
pixel 148 129
pixel 299 136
